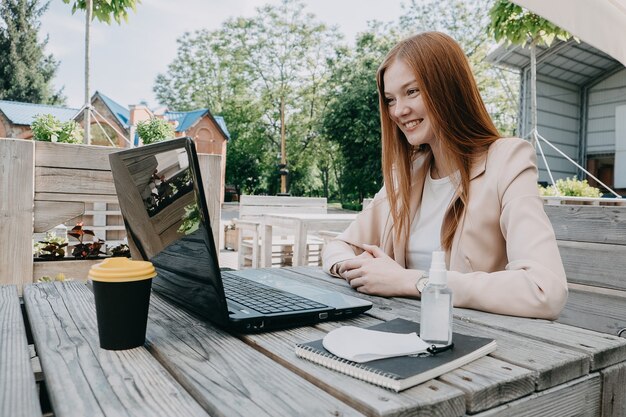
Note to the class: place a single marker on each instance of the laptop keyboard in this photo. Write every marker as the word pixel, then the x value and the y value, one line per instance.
pixel 264 299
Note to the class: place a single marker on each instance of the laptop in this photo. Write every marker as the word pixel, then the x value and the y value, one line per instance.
pixel 167 222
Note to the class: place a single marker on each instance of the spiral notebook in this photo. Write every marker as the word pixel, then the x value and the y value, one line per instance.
pixel 400 373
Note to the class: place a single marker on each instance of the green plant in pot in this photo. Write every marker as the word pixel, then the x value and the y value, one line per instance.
pixel 51 248
pixel 85 250
pixel 570 187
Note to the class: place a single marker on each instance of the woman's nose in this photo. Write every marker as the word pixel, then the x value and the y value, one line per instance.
pixel 401 109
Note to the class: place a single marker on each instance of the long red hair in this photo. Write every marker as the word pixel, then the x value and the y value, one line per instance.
pixel 458 116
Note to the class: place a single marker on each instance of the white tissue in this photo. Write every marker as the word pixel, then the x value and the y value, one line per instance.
pixel 363 345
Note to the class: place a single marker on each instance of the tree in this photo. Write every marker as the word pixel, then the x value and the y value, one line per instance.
pixel 103 10
pixel 265 75
pixel 352 120
pixel 519 26
pixel 154 130
pixel 26 72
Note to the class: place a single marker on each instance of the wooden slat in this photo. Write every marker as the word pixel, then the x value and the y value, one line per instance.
pixel 72 268
pixel 595 311
pixel 613 398
pixel 18 392
pixel 211 173
pixel 580 398
pixel 63 155
pixel 49 214
pixel 598 224
pixel 73 181
pixel 228 377
pixel 368 398
pixel 16 211
pixel 84 380
pixel 83 197
pixel 552 366
pixel 596 264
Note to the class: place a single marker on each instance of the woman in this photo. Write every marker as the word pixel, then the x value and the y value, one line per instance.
pixel 457 187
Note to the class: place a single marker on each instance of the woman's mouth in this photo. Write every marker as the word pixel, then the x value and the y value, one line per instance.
pixel 412 123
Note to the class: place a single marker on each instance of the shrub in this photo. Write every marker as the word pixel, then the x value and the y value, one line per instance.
pixel 154 130
pixel 570 187
pixel 47 128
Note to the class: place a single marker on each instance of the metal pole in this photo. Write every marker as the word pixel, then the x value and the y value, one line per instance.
pixel 283 156
pixel 88 10
pixel 533 92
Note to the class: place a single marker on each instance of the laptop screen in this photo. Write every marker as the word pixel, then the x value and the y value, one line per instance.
pixel 160 195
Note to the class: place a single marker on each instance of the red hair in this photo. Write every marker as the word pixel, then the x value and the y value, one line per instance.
pixel 458 116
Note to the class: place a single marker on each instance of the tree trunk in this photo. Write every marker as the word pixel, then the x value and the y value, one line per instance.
pixel 88 12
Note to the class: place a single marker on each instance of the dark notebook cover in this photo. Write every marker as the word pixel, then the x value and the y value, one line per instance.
pixel 401 372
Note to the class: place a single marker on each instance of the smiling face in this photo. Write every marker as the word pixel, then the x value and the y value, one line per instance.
pixel 406 105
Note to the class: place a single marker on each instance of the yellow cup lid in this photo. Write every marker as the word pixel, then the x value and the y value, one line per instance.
pixel 121 269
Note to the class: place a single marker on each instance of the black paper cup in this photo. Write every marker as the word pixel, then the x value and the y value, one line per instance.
pixel 121 290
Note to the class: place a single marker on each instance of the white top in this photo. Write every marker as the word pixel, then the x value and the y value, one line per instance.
pixel 425 234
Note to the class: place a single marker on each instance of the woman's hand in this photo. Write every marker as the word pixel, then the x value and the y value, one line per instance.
pixel 374 272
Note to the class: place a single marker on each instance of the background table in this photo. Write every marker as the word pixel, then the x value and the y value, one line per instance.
pixel 188 367
pixel 301 225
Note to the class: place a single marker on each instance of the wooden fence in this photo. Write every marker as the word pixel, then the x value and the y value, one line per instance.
pixel 45 184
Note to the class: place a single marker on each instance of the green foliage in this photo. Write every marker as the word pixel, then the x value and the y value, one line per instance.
pixel 26 72
pixel 191 219
pixel 154 130
pixel 570 187
pixel 47 128
pixel 244 71
pixel 351 118
pixel 51 247
pixel 519 26
pixel 104 10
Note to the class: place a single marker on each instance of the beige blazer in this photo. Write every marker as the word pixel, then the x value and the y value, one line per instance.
pixel 504 257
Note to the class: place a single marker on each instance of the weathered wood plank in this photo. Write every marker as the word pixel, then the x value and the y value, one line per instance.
pixel 598 224
pixel 49 214
pixel 73 181
pixel 84 380
pixel 87 198
pixel 64 155
pixel 602 349
pixel 18 392
pixel 580 398
pixel 226 376
pixel 613 398
pixel 596 264
pixel 211 172
pixel 76 269
pixel 427 398
pixel 605 313
pixel 16 211
pixel 552 366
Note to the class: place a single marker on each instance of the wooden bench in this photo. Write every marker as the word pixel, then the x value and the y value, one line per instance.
pixel 251 211
pixel 45 184
pixel 592 243
pixel 18 391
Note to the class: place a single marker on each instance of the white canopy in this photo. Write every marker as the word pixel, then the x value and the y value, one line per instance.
pixel 600 23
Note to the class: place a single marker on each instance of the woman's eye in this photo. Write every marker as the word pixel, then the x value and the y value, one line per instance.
pixel 412 92
pixel 390 101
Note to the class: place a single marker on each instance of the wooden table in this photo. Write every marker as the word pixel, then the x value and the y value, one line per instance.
pixel 190 368
pixel 301 224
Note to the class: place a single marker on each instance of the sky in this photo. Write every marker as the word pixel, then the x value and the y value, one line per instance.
pixel 126 58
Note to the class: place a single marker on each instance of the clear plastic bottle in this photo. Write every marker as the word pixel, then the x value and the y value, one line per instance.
pixel 436 310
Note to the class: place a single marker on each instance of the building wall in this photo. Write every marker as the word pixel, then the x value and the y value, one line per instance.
pixel 107 119
pixel 209 139
pixel 9 130
pixel 558 121
pixel 604 97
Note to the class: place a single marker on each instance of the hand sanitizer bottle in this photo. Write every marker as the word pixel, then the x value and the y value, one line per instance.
pixel 436 310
